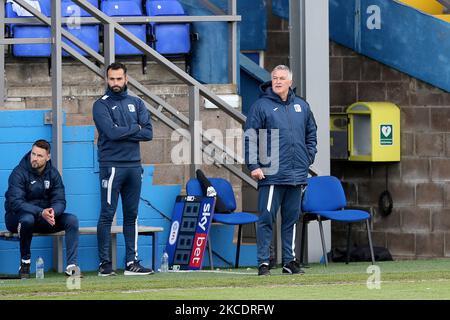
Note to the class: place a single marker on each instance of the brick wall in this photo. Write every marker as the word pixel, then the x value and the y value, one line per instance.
pixel 277 40
pixel 419 225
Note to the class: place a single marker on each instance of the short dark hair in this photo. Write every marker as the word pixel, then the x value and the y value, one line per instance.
pixel 43 144
pixel 116 66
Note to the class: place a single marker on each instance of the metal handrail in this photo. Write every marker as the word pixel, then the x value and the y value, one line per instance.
pixel 98 15
pixel 196 89
pixel 131 19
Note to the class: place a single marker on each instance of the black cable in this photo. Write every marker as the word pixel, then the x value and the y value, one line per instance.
pixel 387 176
pixel 153 207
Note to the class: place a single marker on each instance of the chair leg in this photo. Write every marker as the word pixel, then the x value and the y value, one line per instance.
pixel 238 247
pixel 349 233
pixel 210 253
pixel 324 250
pixel 303 243
pixel 370 242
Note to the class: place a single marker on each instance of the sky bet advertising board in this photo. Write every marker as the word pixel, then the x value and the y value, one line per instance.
pixel 191 219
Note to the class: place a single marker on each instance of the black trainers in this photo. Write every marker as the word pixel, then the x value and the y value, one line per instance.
pixel 106 270
pixel 135 269
pixel 24 270
pixel 292 268
pixel 263 270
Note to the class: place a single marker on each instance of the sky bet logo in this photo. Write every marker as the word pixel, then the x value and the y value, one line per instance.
pixel 201 237
pixel 206 214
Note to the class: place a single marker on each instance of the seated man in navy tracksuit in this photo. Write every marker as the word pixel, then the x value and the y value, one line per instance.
pixel 122 121
pixel 281 126
pixel 35 202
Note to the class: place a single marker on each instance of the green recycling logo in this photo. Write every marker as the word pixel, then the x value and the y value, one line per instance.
pixel 386 134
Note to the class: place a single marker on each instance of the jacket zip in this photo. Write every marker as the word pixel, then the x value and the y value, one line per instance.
pixel 291 134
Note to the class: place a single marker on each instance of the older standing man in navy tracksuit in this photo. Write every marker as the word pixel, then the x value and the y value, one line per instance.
pixel 290 143
pixel 35 202
pixel 122 121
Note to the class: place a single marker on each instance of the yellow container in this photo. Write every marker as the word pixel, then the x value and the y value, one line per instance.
pixel 374 132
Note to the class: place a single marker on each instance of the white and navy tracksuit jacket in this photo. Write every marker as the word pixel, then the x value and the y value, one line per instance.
pixel 28 194
pixel 122 121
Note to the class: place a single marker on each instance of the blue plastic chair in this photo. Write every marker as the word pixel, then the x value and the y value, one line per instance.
pixel 171 39
pixel 89 34
pixel 138 2
pixel 125 8
pixel 225 190
pixel 30 31
pixel 324 199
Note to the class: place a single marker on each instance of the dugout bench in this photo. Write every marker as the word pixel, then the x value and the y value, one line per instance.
pixel 58 242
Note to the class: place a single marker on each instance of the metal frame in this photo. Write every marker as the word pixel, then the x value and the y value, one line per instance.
pixel 112 26
pixel 134 19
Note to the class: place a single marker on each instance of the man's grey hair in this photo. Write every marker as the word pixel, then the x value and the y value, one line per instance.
pixel 284 68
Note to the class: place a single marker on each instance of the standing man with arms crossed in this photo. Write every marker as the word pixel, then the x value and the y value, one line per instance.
pixel 122 121
pixel 35 202
pixel 280 183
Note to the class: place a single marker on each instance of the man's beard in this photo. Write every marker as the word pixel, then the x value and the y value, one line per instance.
pixel 117 89
pixel 36 166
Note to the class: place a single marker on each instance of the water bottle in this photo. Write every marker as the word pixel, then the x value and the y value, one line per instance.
pixel 165 262
pixel 40 268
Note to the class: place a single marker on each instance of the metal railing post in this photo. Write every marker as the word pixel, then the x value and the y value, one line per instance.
pixel 110 57
pixel 57 112
pixel 194 129
pixel 108 44
pixel 57 115
pixel 232 43
pixel 2 53
pixel 297 44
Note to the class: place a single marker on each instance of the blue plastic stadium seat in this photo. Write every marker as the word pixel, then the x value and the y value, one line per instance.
pixel 74 10
pixel 30 31
pixel 324 199
pixel 169 38
pixel 125 8
pixel 138 2
pixel 89 34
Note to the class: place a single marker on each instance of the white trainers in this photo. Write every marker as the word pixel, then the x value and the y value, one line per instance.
pixel 73 270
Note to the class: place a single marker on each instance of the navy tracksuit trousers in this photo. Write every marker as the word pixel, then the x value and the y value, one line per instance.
pixel 25 224
pixel 127 182
pixel 270 199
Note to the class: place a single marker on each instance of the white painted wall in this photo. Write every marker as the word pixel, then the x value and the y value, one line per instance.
pixel 318 96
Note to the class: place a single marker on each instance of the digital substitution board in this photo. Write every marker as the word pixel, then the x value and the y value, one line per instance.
pixel 191 220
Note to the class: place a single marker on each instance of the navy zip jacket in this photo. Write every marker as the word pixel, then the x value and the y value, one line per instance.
pixel 117 117
pixel 297 137
pixel 29 192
